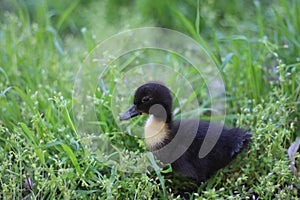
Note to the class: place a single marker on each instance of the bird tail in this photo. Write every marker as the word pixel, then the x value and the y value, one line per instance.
pixel 244 138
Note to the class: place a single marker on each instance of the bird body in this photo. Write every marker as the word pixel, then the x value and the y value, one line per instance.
pixel 179 142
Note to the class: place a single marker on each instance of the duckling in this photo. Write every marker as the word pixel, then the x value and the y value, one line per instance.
pixel 178 142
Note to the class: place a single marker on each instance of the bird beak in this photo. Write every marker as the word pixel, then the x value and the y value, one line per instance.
pixel 130 113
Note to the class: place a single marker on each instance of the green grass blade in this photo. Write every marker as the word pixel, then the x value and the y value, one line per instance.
pixel 72 157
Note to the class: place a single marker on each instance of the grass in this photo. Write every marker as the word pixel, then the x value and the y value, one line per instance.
pixel 44 155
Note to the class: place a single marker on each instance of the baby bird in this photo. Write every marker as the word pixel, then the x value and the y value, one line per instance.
pixel 179 142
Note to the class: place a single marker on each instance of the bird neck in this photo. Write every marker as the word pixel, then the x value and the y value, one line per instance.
pixel 156 131
pixel 166 119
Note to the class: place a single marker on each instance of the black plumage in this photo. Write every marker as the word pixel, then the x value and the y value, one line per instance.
pixel 179 142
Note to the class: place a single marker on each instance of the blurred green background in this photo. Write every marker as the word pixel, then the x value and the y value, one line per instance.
pixel 255 45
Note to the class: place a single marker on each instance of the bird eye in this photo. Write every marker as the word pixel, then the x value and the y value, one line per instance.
pixel 145 99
